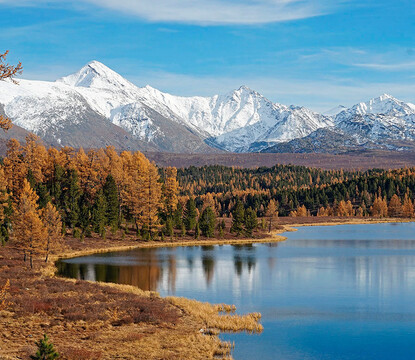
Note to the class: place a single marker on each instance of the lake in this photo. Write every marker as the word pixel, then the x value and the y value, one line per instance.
pixel 328 292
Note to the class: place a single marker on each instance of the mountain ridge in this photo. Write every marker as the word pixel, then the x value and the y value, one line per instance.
pixel 96 106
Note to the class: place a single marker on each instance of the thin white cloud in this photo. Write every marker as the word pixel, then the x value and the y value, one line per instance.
pixel 388 67
pixel 206 12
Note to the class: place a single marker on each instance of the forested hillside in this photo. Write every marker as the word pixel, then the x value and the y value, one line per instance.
pixel 301 189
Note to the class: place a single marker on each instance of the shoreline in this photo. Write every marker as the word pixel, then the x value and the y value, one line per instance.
pixel 195 334
pixel 276 236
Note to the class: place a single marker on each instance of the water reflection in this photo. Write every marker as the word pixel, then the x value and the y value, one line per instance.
pixel 343 281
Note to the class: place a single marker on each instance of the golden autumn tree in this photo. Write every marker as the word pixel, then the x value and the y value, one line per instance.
pixel 4 196
pixel 379 208
pixel 53 223
pixel 15 169
pixel 395 207
pixel 28 231
pixel 8 71
pixel 132 190
pixel 272 213
pixel 152 196
pixel 408 207
pixel 170 190
pixel 35 156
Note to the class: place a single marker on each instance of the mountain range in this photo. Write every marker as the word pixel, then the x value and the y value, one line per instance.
pixel 96 107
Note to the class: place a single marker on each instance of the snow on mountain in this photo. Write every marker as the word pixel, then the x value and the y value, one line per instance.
pixel 241 120
pixel 334 111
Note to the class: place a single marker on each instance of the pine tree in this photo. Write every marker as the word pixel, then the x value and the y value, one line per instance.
pixel 250 221
pixel 98 213
pixel 45 350
pixel 190 214
pixel 169 226
pixel 29 232
pixel 71 199
pixel 238 218
pixel 197 231
pixel 207 223
pixel 178 216
pixel 52 221
pixel 112 201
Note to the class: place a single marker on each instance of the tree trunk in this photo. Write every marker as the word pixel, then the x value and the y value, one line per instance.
pixel 31 261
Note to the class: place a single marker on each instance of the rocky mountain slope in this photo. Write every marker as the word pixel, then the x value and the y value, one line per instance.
pixel 96 107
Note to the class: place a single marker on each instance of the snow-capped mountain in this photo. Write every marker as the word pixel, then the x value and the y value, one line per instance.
pixel 231 122
pixel 380 123
pixel 96 107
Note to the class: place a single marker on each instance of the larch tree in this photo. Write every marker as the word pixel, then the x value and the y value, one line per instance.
pixel 8 71
pixel 170 190
pixel 395 207
pixel 15 168
pixel 271 213
pixel 53 223
pixel 35 156
pixel 152 197
pixel 29 233
pixel 408 207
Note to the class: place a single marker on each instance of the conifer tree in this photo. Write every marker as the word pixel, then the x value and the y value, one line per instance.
pixel 170 190
pixel 29 233
pixel 250 221
pixel 112 201
pixel 272 213
pixel 71 199
pixel 53 223
pixel 152 197
pixel 395 207
pixel 8 71
pixel 238 218
pixel 98 213
pixel 178 216
pixel 45 350
pixel 207 222
pixel 408 207
pixel 190 214
pixel 197 231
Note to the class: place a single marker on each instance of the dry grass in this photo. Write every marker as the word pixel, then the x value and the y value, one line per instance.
pixel 219 316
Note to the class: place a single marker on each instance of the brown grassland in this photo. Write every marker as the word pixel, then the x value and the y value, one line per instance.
pixel 87 320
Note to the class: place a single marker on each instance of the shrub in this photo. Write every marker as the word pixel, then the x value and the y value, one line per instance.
pixel 45 350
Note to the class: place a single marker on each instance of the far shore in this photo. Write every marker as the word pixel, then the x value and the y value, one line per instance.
pixel 275 236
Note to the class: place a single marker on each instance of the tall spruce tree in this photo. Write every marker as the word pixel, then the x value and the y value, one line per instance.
pixel 238 219
pixel 72 195
pixel 207 222
pixel 190 214
pixel 98 213
pixel 112 202
pixel 250 221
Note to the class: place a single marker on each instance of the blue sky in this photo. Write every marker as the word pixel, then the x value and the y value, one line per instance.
pixel 316 53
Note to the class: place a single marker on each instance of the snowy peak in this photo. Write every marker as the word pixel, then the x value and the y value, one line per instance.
pixel 98 76
pixel 384 104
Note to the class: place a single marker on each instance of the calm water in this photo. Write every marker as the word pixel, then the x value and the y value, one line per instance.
pixel 341 292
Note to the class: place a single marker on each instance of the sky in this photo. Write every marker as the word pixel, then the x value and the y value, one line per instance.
pixel 314 53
